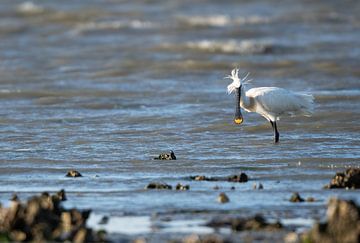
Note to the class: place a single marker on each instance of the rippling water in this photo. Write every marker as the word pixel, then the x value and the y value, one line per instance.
pixel 103 87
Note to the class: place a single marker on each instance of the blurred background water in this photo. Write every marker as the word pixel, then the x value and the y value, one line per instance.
pixel 104 86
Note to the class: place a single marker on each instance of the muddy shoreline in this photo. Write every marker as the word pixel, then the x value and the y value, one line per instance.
pixel 43 218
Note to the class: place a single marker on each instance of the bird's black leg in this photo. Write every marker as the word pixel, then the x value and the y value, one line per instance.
pixel 276 132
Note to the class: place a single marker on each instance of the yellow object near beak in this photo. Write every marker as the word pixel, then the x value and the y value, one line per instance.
pixel 238 120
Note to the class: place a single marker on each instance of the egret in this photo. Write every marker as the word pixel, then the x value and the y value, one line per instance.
pixel 270 102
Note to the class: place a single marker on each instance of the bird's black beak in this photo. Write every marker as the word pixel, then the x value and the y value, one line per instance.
pixel 238 119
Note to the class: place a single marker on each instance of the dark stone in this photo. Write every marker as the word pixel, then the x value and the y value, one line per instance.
pixel 61 195
pixel 223 198
pixel 182 187
pixel 104 220
pixel 238 178
pixel 202 178
pixel 211 238
pixel 310 199
pixel 167 156
pixel 154 185
pixel 295 197
pixel 14 198
pixel 73 173
pixel 348 179
pixel 42 219
pixel 233 178
pixel 342 225
pixel 257 222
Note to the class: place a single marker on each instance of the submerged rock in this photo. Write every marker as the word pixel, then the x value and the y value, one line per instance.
pixel 43 219
pixel 167 156
pixel 212 238
pixel 240 224
pixel 238 178
pixel 295 197
pixel 223 198
pixel 342 225
pixel 73 173
pixel 181 187
pixel 348 179
pixel 260 187
pixel 155 185
pixel 202 178
pixel 310 199
pixel 104 220
pixel 242 177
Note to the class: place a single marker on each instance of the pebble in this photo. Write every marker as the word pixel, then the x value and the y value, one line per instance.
pixel 223 198
pixel 181 187
pixel 167 156
pixel 295 197
pixel 73 173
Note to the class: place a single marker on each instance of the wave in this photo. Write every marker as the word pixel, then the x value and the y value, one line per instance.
pixel 113 25
pixel 30 8
pixel 231 46
pixel 337 94
pixel 220 20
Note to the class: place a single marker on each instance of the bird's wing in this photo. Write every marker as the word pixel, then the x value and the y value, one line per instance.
pixel 276 101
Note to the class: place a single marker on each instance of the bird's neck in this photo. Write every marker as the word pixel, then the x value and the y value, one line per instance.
pixel 244 100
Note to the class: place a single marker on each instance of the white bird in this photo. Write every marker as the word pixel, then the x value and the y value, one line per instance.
pixel 270 102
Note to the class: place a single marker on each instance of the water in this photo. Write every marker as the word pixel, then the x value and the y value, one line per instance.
pixel 103 87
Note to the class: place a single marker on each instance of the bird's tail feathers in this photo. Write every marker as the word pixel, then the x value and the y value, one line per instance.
pixel 307 104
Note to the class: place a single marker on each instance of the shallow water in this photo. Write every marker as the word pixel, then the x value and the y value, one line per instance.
pixel 104 87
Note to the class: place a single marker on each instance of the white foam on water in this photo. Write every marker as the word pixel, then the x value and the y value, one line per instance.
pixel 230 46
pixel 143 224
pixel 112 25
pixel 125 225
pixel 29 8
pixel 221 20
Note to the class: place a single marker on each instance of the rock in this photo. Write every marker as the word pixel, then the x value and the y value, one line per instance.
pixel 310 199
pixel 155 185
pixel 43 219
pixel 238 178
pixel 14 198
pixel 61 195
pixel 216 187
pixel 212 238
pixel 104 220
pixel 140 240
pixel 202 178
pixel 73 173
pixel 182 187
pixel 240 224
pixel 260 187
pixel 342 225
pixel 291 237
pixel 348 179
pixel 295 197
pixel 223 198
pixel 233 178
pixel 167 156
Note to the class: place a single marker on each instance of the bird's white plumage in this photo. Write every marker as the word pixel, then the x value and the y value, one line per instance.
pixel 271 102
pixel 236 80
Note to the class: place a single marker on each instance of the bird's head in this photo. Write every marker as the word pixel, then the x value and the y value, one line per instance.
pixel 236 86
pixel 237 82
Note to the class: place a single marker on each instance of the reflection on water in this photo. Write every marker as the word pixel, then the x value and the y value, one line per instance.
pixel 104 87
